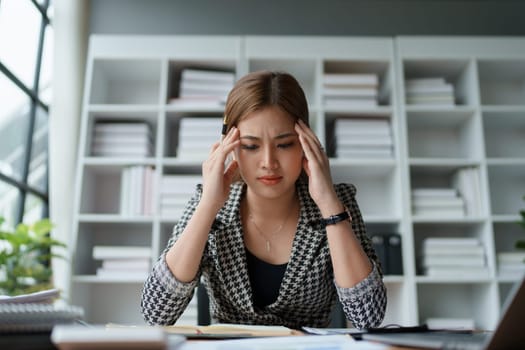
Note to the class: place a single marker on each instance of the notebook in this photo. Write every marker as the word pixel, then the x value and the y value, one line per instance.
pixel 508 334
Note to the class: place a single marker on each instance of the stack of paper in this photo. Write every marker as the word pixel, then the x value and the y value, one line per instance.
pixel 136 190
pixel 123 262
pixel 451 257
pixel 175 192
pixel 429 91
pixel 511 264
pixel 437 202
pixel 122 139
pixel 363 138
pixel 347 90
pixel 204 87
pixel 196 136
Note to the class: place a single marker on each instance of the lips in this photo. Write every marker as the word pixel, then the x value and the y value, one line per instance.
pixel 270 179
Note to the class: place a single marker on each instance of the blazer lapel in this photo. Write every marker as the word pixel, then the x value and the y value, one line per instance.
pixel 231 254
pixel 307 241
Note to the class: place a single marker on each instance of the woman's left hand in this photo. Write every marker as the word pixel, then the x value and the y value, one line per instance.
pixel 317 167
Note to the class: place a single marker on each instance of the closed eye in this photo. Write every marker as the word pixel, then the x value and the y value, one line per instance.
pixel 251 147
pixel 285 145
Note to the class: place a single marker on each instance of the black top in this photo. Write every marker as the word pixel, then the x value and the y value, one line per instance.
pixel 265 279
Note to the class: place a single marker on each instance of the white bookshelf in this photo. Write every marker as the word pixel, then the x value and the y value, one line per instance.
pixel 133 78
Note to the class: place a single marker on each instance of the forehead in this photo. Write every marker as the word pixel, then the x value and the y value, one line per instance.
pixel 272 117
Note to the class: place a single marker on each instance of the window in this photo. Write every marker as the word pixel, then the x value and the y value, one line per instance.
pixel 26 42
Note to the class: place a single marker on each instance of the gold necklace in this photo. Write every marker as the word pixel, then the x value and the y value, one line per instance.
pixel 260 232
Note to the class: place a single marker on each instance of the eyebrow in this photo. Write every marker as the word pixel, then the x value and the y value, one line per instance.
pixel 278 137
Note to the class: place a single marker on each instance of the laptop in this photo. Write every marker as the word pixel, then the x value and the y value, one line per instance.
pixel 509 333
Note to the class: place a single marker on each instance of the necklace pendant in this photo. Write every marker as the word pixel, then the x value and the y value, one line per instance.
pixel 268 246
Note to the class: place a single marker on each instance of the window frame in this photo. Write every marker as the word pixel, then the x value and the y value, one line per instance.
pixel 22 184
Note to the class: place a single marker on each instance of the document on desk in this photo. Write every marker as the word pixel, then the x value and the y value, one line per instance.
pixel 308 342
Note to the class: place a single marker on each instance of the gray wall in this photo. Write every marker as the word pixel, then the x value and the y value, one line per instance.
pixel 309 17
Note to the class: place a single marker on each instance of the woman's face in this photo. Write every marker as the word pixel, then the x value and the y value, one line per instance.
pixel 270 154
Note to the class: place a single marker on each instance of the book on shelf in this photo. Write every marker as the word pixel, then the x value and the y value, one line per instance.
pixel 345 102
pixel 175 192
pixel 207 84
pixel 454 257
pixel 121 127
pixel 428 81
pixel 350 79
pixel 366 153
pixel 429 91
pixel 126 264
pixel 207 75
pixel 432 249
pixel 467 182
pixel 196 136
pixel 121 139
pixel 102 252
pixel 511 264
pixel 136 190
pixel 457 271
pixel 388 249
pixel 437 202
pixel 451 241
pixel 122 274
pixel 360 126
pixel 350 92
pixel 453 260
pixel 362 137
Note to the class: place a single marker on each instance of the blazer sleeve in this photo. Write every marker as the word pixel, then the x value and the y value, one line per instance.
pixel 365 303
pixel 164 298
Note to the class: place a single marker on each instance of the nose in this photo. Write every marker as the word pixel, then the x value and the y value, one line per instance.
pixel 269 159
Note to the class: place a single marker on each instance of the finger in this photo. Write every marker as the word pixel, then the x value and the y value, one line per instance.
pixel 229 174
pixel 311 148
pixel 309 133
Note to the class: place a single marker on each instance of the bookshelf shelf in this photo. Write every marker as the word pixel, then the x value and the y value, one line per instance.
pixel 477 126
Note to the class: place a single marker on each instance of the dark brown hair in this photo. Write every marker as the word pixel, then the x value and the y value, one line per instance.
pixel 261 89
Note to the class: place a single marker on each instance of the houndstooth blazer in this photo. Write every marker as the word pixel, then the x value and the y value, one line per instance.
pixel 308 290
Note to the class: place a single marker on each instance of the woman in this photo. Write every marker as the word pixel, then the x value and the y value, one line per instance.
pixel 277 246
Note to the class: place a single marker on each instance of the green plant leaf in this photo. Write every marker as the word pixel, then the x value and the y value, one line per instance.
pixel 42 227
pixel 520 244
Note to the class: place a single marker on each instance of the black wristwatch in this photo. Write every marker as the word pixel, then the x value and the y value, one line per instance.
pixel 334 219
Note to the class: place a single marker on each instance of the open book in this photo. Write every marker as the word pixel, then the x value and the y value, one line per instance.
pixel 231 330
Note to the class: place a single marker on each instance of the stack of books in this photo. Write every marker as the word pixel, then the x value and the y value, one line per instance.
pixel 363 138
pixel 451 257
pixel 437 202
pixel 175 192
pixel 429 91
pixel 347 90
pixel 467 182
pixel 123 262
pixel 136 190
pixel 122 139
pixel 511 264
pixel 196 136
pixel 204 87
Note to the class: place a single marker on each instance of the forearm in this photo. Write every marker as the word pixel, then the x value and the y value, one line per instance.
pixel 184 257
pixel 350 262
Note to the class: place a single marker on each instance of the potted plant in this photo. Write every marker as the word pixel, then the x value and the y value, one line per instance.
pixel 25 257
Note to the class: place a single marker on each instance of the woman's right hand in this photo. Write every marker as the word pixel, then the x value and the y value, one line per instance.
pixel 216 179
